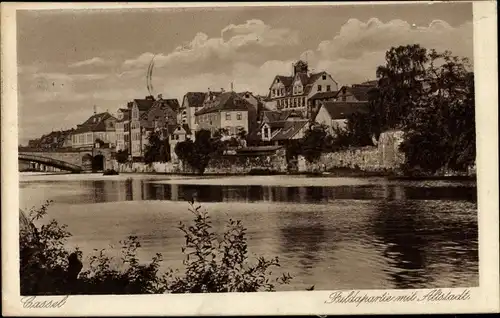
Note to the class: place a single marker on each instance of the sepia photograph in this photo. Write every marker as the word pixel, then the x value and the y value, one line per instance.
pixel 248 149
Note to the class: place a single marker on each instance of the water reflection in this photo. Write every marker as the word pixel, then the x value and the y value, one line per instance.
pixel 384 234
pixel 98 191
pixel 415 239
pixel 303 236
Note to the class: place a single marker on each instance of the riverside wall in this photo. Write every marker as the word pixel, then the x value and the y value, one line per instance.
pixel 384 157
pixel 228 164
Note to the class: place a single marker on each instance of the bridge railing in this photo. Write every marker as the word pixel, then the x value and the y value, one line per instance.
pixel 49 161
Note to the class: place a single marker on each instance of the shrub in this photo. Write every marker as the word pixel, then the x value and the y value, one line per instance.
pixel 211 265
pixel 221 266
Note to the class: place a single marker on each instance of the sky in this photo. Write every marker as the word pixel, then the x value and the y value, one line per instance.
pixel 72 60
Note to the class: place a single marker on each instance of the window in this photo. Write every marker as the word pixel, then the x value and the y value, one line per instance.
pixel 282 92
pixel 319 88
pixel 328 88
pixel 303 101
pixel 238 116
pixel 274 92
pixel 286 103
pixel 344 98
pixel 228 116
pixel 324 77
pixel 277 80
pixel 266 133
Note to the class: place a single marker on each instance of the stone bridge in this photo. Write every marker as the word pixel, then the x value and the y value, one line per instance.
pixel 69 159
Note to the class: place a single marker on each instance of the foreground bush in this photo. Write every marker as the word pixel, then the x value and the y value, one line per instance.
pixel 210 264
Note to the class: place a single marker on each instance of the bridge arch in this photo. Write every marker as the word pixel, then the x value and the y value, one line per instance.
pixel 98 162
pixel 47 161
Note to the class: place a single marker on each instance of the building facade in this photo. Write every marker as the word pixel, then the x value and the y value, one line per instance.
pixel 99 127
pixel 293 92
pixel 227 111
pixel 178 133
pixel 139 107
pixel 334 115
pixel 162 115
pixel 123 129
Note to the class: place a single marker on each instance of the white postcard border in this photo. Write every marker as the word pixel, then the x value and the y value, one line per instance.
pixel 482 299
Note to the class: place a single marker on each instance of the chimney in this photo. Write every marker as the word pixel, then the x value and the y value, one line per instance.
pixel 232 87
pixel 95 110
pixel 222 89
pixel 160 96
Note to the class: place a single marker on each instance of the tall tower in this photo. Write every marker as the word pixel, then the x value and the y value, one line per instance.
pixel 300 67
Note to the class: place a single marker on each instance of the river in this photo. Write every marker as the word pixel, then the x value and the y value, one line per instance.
pixel 333 233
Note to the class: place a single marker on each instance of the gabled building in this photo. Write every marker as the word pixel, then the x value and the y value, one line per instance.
pixel 334 114
pixel 191 103
pixel 227 111
pixel 53 140
pixel 99 127
pixel 279 127
pixel 178 133
pixel 293 92
pixel 139 107
pixel 317 99
pixel 162 115
pixel 123 128
pixel 356 92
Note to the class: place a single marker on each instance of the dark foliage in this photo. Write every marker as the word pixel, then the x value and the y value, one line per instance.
pixel 428 95
pixel 198 154
pixel 122 156
pixel 157 148
pixel 211 264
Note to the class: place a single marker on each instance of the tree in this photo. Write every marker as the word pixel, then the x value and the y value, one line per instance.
pixel 313 143
pixel 430 96
pixel 155 150
pixel 400 85
pixel 356 133
pixel 122 155
pixel 198 154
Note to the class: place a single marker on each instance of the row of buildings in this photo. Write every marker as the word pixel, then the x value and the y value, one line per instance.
pixel 293 102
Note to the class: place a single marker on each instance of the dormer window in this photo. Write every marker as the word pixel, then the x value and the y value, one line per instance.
pixel 324 77
pixel 277 80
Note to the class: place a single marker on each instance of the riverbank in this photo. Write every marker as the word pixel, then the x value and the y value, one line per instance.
pixel 340 173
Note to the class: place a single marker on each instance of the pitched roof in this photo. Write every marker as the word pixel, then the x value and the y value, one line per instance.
pixel 184 127
pixel 226 101
pixel 195 99
pixel 359 91
pixel 286 80
pixel 315 76
pixel 324 95
pixel 340 110
pixel 290 129
pixel 283 130
pixel 94 123
pixel 276 115
pixel 126 115
pixel 173 103
pixel 144 104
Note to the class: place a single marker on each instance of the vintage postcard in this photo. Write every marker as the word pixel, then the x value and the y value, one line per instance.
pixel 249 159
